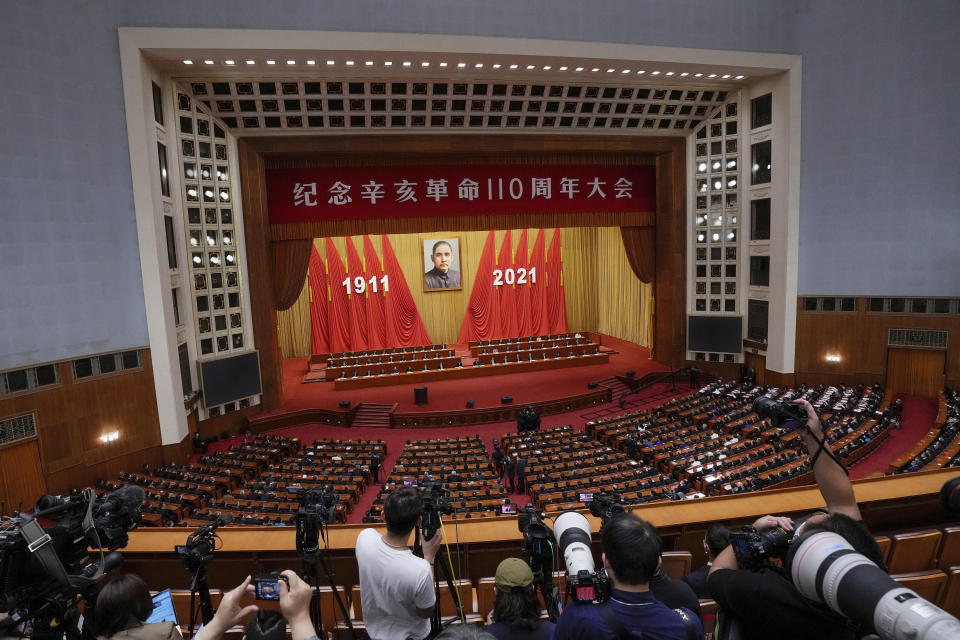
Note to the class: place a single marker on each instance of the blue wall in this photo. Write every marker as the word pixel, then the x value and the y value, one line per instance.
pixel 881 168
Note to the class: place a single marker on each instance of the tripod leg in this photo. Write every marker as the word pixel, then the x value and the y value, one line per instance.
pixel 336 596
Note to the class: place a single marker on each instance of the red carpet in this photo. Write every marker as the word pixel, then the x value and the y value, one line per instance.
pixel 919 416
pixel 453 394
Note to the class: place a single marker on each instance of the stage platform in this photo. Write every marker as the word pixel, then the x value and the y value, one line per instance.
pixel 551 391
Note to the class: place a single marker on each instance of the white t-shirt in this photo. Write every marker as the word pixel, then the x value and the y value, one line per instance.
pixel 394 583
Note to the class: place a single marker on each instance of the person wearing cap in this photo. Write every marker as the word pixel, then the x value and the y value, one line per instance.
pixel 516 612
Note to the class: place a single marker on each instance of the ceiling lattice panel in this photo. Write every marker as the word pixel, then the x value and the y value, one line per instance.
pixel 274 106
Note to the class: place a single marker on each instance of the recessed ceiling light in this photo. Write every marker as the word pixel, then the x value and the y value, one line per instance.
pixel 479 65
pixel 271 62
pixel 368 63
pixel 595 69
pixel 654 73
pixel 725 76
pixel 610 70
pixel 579 69
pixel 530 66
pixel 563 68
pixel 740 77
pixel 547 68
pixel 697 75
pixel 514 66
pixel 443 64
pixel 424 64
pixel 496 66
pixel 712 75
pixel 669 73
pixel 406 63
pixel 388 63
pixel 311 62
pixel 188 62
pixel 461 65
pixel 229 62
pixel 641 71
pixel 625 71
pixel 291 62
pixel 251 62
pixel 208 62
pixel 331 62
pixel 684 74
pixel 349 63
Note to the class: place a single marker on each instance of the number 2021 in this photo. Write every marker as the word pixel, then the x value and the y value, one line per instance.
pixel 511 276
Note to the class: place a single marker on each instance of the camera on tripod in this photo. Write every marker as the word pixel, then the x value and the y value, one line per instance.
pixel 318 506
pixel 538 547
pixel 434 503
pixel 45 571
pixel 606 506
pixel 782 412
pixel 201 544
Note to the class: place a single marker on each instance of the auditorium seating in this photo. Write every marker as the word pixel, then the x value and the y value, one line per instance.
pixel 940 447
pixel 928 584
pixel 915 551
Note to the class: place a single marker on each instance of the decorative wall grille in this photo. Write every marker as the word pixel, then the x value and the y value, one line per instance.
pixel 18 428
pixel 920 338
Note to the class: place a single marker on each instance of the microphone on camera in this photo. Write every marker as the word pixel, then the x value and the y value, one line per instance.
pixel 125 499
pixel 226 518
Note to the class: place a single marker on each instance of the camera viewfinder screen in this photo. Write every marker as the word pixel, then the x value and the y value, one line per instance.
pixel 507 508
pixel 586 497
pixel 268 590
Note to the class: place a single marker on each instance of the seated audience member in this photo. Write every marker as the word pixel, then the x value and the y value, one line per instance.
pixel 465 632
pixel 763 602
pixel 516 612
pixel 715 541
pixel 631 555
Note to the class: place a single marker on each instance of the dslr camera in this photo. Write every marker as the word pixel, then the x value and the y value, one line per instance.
pixel 605 506
pixel 267 586
pixel 781 413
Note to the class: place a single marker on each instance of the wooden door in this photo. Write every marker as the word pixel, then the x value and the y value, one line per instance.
pixel 21 475
pixel 915 372
pixel 758 363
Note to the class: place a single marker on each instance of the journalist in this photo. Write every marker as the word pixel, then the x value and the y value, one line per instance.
pixel 761 601
pixel 516 612
pixel 631 555
pixel 396 587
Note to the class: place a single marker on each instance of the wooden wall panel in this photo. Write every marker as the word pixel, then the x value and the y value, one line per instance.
pixel 603 295
pixel 860 339
pixel 21 475
pixel 72 415
pixel 916 372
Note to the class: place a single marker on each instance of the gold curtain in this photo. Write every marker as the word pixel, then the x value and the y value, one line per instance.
pixel 602 292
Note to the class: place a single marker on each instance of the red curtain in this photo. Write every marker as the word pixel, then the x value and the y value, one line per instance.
pixel 539 316
pixel 404 327
pixel 556 299
pixel 480 320
pixel 291 258
pixel 337 311
pixel 376 328
pixel 357 301
pixel 523 290
pixel 640 244
pixel 508 292
pixel 318 303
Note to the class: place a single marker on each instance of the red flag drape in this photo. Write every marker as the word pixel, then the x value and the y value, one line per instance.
pixel 404 327
pixel 508 292
pixel 338 305
pixel 556 299
pixel 358 301
pixel 480 322
pixel 318 303
pixel 539 316
pixel 523 290
pixel 376 327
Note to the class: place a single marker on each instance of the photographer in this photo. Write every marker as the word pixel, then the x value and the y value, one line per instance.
pixel 396 587
pixel 516 612
pixel 631 555
pixel 763 600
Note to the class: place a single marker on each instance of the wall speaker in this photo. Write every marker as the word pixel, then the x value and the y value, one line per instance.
pixel 631 373
pixel 419 395
pixel 592 384
pixel 344 404
pixel 470 403
pixel 506 399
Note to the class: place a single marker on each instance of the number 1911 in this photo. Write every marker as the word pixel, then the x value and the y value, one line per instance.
pixel 359 286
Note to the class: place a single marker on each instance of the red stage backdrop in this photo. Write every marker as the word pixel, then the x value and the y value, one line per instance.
pixel 342 193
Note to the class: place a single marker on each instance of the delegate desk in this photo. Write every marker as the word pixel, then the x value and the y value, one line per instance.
pixel 476 371
pixel 390 368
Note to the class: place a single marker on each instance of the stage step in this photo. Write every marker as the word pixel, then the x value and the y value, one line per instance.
pixel 373 414
pixel 617 388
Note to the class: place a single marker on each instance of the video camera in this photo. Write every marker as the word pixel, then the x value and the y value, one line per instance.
pixel 44 568
pixel 201 544
pixel 605 506
pixel 434 503
pixel 782 412
pixel 318 506
pixel 584 582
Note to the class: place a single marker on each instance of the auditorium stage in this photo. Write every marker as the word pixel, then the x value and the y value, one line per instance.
pixel 452 395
